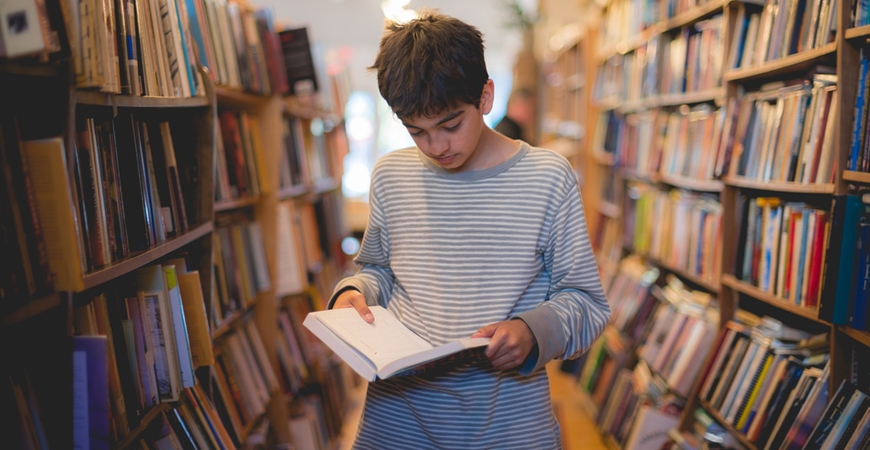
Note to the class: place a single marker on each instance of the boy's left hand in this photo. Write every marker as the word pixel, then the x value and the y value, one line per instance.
pixel 512 340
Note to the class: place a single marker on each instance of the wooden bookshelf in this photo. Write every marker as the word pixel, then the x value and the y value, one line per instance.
pixel 149 417
pixel 747 289
pixel 128 101
pixel 609 209
pixel 126 266
pixel 293 191
pixel 692 184
pixel 634 175
pixel 727 425
pixel 856 177
pixel 799 62
pixel 688 98
pixel 858 33
pixel 797 188
pixel 690 277
pixel 235 204
pixel 695 15
pixel 859 336
pixel 32 308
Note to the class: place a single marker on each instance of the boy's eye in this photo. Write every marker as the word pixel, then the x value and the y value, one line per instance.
pixel 415 133
pixel 454 127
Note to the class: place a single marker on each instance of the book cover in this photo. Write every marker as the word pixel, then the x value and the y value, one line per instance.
pixel 97 390
pixel 834 305
pixel 381 349
pixel 832 414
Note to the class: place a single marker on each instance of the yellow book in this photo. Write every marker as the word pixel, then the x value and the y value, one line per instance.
pixel 263 167
pixel 46 159
pixel 744 416
pixel 193 302
pixel 244 264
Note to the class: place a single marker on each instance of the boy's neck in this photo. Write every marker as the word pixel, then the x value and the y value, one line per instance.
pixel 493 148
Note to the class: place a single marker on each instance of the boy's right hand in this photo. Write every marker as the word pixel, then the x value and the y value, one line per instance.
pixel 352 298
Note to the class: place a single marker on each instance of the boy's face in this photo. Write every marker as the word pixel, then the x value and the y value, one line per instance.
pixel 451 138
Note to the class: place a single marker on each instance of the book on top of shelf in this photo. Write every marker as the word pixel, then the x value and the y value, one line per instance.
pixel 386 347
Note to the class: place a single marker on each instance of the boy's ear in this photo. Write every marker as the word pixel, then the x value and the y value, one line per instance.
pixel 487 97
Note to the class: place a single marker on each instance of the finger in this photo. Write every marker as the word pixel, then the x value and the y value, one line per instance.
pixel 506 362
pixel 363 309
pixel 486 331
pixel 496 345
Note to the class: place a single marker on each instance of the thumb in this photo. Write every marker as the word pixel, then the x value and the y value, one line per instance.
pixel 486 331
pixel 363 309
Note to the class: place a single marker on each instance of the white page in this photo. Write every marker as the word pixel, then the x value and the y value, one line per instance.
pixel 383 341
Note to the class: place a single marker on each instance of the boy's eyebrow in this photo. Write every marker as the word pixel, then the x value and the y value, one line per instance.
pixel 446 118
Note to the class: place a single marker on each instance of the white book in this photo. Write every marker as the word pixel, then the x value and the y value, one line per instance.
pixel 182 341
pixel 381 349
pixel 21 31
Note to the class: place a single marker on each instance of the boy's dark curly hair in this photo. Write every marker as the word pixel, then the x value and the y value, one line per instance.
pixel 429 65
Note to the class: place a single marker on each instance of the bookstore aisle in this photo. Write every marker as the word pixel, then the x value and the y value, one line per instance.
pixel 725 175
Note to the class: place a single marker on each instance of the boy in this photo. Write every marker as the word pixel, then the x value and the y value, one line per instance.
pixel 470 233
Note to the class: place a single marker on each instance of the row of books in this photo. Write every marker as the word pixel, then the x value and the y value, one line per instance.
pixel 693 60
pixel 239 265
pixel 243 379
pixel 626 19
pixel 632 304
pixel 240 46
pixel 690 147
pixel 139 347
pixel 312 154
pixel 138 48
pixel 690 61
pixel 859 151
pixel 768 382
pixel 682 330
pixel 241 169
pixel 126 196
pixel 781 248
pixel 677 228
pixel 781 28
pixel 785 132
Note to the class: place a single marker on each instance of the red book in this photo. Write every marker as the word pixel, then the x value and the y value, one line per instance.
pixel 819 249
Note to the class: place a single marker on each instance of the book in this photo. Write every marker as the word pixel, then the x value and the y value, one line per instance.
pixel 381 349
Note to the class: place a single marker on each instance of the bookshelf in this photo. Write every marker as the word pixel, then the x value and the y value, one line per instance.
pixel 629 101
pixel 93 331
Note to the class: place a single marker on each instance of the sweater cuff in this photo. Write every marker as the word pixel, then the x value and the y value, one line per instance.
pixel 550 341
pixel 348 284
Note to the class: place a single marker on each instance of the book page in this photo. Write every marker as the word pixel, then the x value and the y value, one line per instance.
pixel 383 341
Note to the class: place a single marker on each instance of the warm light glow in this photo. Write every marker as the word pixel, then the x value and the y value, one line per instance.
pixel 394 10
pixel 356 179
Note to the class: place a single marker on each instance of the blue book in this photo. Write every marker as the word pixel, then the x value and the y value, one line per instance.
pixel 858 318
pixel 96 381
pixel 859 122
pixel 196 32
pixel 847 259
pixel 802 258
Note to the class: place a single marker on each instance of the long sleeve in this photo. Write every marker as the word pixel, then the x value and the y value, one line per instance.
pixel 576 310
pixel 375 278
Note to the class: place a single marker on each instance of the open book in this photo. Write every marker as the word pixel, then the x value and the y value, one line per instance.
pixel 381 349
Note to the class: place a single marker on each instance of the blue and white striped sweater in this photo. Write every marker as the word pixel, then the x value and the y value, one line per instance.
pixel 448 253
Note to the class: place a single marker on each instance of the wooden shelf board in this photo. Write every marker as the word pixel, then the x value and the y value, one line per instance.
pixel 693 184
pixel 862 337
pixel 715 415
pixel 32 308
pixel 792 63
pixel 780 187
pixel 747 289
pixel 857 177
pixel 326 185
pixel 694 279
pixel 609 209
pixel 238 97
pixel 857 33
pixel 608 104
pixel 635 175
pixel 131 101
pixel 130 264
pixel 228 323
pixel 603 158
pixel 235 204
pixel 152 414
pixel 689 98
pixel 293 191
pixel 694 15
